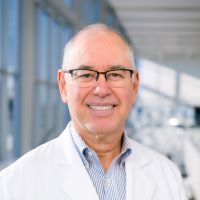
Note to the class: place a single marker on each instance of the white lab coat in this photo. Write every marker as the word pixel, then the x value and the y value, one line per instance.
pixel 54 171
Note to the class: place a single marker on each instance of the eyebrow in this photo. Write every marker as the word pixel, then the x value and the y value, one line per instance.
pixel 117 67
pixel 85 67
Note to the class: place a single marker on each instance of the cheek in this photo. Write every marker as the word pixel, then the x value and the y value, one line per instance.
pixel 127 99
pixel 75 96
pixel 72 96
pixel 130 98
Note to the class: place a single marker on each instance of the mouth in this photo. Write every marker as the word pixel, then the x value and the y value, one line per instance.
pixel 101 107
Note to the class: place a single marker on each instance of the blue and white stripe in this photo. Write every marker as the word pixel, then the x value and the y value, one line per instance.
pixel 109 185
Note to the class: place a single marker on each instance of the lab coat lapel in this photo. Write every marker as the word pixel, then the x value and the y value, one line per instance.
pixel 139 186
pixel 71 175
pixel 75 182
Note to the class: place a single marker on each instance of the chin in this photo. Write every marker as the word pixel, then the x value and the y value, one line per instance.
pixel 102 128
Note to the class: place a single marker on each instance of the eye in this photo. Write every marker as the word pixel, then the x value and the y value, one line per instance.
pixel 115 75
pixel 88 75
pixel 85 75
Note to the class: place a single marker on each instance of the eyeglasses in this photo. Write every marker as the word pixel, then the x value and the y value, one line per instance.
pixel 88 77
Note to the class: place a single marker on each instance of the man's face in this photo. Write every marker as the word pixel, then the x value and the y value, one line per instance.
pixel 101 108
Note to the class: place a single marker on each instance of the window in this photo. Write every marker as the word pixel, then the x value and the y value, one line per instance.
pixel 1 30
pixel 48 31
pixel 51 37
pixel 9 82
pixel 90 11
pixel 70 3
pixel 42 76
pixel 96 11
pixel 110 18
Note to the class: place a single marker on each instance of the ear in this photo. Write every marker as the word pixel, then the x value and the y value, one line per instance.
pixel 62 85
pixel 135 85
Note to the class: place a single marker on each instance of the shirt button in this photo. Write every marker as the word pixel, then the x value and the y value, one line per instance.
pixel 109 181
pixel 90 153
pixel 87 166
pixel 121 165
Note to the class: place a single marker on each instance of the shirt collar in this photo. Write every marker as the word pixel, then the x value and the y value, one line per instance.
pixel 79 143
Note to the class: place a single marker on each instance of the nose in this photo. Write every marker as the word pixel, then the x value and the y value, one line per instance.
pixel 102 87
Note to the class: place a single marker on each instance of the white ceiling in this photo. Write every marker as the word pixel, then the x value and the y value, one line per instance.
pixel 167 32
pixel 160 29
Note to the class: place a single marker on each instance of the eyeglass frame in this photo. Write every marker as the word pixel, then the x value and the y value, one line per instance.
pixel 70 71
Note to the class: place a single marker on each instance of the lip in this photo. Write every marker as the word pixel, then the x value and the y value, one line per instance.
pixel 101 107
pixel 102 110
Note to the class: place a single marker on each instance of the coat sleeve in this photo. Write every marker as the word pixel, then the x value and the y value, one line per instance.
pixel 2 190
pixel 4 194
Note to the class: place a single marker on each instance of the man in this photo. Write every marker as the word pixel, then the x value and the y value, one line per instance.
pixel 93 158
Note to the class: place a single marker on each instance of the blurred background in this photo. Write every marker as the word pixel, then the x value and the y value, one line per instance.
pixel 166 38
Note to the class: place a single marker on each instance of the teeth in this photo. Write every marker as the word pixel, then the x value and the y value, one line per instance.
pixel 101 107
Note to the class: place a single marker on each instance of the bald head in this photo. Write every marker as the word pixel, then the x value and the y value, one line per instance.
pixel 94 33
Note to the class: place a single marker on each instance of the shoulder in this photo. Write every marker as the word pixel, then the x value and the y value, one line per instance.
pixel 41 159
pixel 146 156
pixel 31 171
pixel 43 156
pixel 144 151
pixel 30 161
pixel 161 172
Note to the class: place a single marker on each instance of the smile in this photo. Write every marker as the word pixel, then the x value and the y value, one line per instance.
pixel 106 107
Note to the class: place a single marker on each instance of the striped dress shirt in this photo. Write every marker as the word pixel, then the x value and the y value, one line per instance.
pixel 109 185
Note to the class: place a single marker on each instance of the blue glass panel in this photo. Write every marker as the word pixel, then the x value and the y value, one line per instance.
pixel 42 75
pixel 13 66
pixel 70 3
pixel 42 45
pixel 55 49
pixel 110 19
pixel 90 11
pixel 41 113
pixel 1 30
pixel 96 11
pixel 68 33
pixel 13 34
pixel 85 11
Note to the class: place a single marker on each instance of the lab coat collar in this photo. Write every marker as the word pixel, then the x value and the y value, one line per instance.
pixel 71 175
pixel 73 179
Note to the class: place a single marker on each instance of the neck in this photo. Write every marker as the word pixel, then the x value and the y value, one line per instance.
pixel 107 154
pixel 106 148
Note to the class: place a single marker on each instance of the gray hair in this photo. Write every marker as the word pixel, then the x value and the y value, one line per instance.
pixel 102 27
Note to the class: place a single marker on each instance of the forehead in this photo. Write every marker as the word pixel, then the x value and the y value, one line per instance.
pixel 98 48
